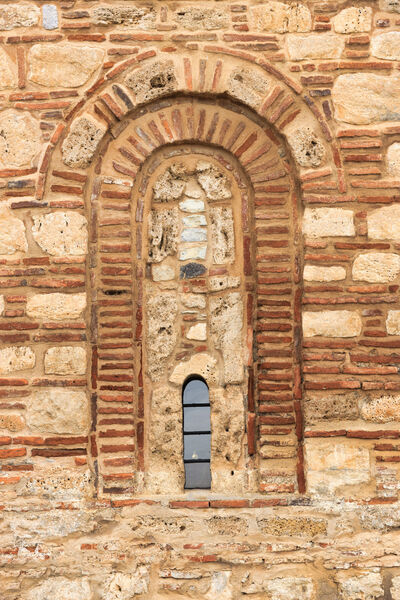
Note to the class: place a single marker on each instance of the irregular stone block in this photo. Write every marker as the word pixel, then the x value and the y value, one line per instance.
pixel 122 586
pixel 79 147
pixel 332 323
pixel 61 587
pixel 376 267
pixel 314 46
pixel 15 358
pixel 8 71
pixel 226 324
pixel 290 588
pixel 307 148
pixel 192 205
pixel 227 526
pixel 191 271
pixel 222 235
pixel 170 185
pixel 325 222
pixel 58 411
pixel 367 586
pixel 386 45
pixel 65 360
pixel 138 16
pixel 163 234
pixel 194 252
pixel 223 282
pixel 202 17
pixel 197 332
pixel 314 273
pixel 162 273
pixel 250 87
pixel 161 311
pixel 364 98
pixel 354 19
pixel 50 16
pixel 214 183
pixel 20 139
pixel 393 159
pixel 390 5
pixel 280 18
pixel 61 233
pixel 18 15
pixel 153 81
pixel 330 407
pixel 220 588
pixel 393 322
pixel 11 422
pixel 384 223
pixel 381 410
pixel 56 306
pixel 12 232
pixel 194 221
pixel 292 527
pixel 57 483
pixel 395 587
pixel 194 234
pixel 202 364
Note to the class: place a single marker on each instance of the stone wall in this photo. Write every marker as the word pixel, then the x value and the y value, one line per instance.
pixel 211 189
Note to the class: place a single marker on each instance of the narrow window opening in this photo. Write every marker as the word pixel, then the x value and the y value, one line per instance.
pixel 196 434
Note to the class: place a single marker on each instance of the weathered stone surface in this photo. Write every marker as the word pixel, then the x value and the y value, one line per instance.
pixel 330 407
pixel 202 364
pixel 222 235
pixel 194 234
pixel 202 17
pixel 393 160
pixel 248 86
pixel 381 410
pixel 153 81
pixel 390 5
pixel 193 253
pixel 364 98
pixel 61 588
pixel 226 327
pixel 8 71
pixel 386 45
pixel 223 282
pixel 11 422
pixel 214 183
pixel 161 310
pixel 56 306
pixel 61 233
pixel 162 272
pixel 314 46
pixel 227 526
pixel 395 588
pixel 15 358
pixel 80 145
pixel 12 232
pixel 307 148
pixel 324 222
pixel 384 223
pixel 193 300
pixel 376 267
pixel 296 526
pixel 280 17
pixel 367 586
pixel 192 205
pixel 1 304
pixel 334 464
pixel 122 586
pixel 141 17
pixel 65 360
pixel 58 411
pixel 220 588
pixel 354 19
pixel 19 139
pixel 170 185
pixel 332 323
pixel 393 322
pixel 64 65
pixel 14 15
pixel 191 271
pixel 197 332
pixel 163 234
pixel 314 273
pixel 279 588
pixel 50 16
pixel 57 483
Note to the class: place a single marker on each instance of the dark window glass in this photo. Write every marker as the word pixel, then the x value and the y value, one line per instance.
pixel 196 434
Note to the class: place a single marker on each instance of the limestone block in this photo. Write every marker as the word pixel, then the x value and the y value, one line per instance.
pixel 194 221
pixel 170 185
pixel 314 273
pixel 56 306
pixel 222 235
pixel 332 323
pixel 65 360
pixel 384 223
pixel 367 586
pixel 122 586
pixel 202 364
pixel 19 140
pixel 193 252
pixel 390 5
pixel 194 234
pixel 50 16
pixel 231 526
pixel 314 46
pixel 395 587
pixel 223 282
pixel 364 98
pixel 12 232
pixel 163 234
pixel 386 45
pixel 192 205
pixel 15 358
pixel 334 464
pixel 8 71
pixel 193 300
pixel 202 17
pixel 307 148
pixel 162 272
pixel 58 411
pixel 220 588
pixel 393 322
pixel 197 332
pixel 161 312
pixel 57 483
pixel 354 19
pixel 376 267
pixel 18 15
pixel 214 183
pixel 393 160
pixel 61 233
pixel 381 410
pixel 248 86
pixel 138 16
pixel 63 65
pixel 280 18
pixel 293 526
pixel 325 222
pixel 153 81
pixel 80 145
pixel 330 407
pixel 290 588
pixel 11 422
pixel 226 324
pixel 62 589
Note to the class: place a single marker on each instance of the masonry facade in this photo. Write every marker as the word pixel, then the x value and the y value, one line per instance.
pixel 202 190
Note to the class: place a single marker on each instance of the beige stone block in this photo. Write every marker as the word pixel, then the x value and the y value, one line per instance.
pixel 197 332
pixel 202 17
pixel 202 364
pixel 80 145
pixel 364 98
pixel 11 422
pixel 63 65
pixel 332 323
pixel 193 300
pixel 162 334
pixel 280 18
pixel 314 46
pixel 386 45
pixel 222 235
pixel 325 222
pixel 153 80
pixel 220 587
pixel 14 358
pixel 381 410
pixel 163 234
pixel 61 233
pixel 330 407
pixel 307 148
pixel 58 411
pixel 390 5
pixel 248 86
pixel 12 232
pixel 20 139
pixel 18 15
pixel 333 464
pixel 1 304
pixel 214 183
pixel 223 282
pixel 162 272
pixel 367 586
pixel 65 360
pixel 384 223
pixel 293 526
pixel 376 267
pixel 393 322
pixel 57 483
pixel 226 324
pixel 8 71
pixel 314 273
pixel 393 160
pixel 279 588
pixel 170 184
pixel 140 17
pixel 354 19
pixel 395 588
pixel 61 588
pixel 123 586
pixel 56 306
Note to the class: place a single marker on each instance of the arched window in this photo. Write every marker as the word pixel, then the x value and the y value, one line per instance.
pixel 196 434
